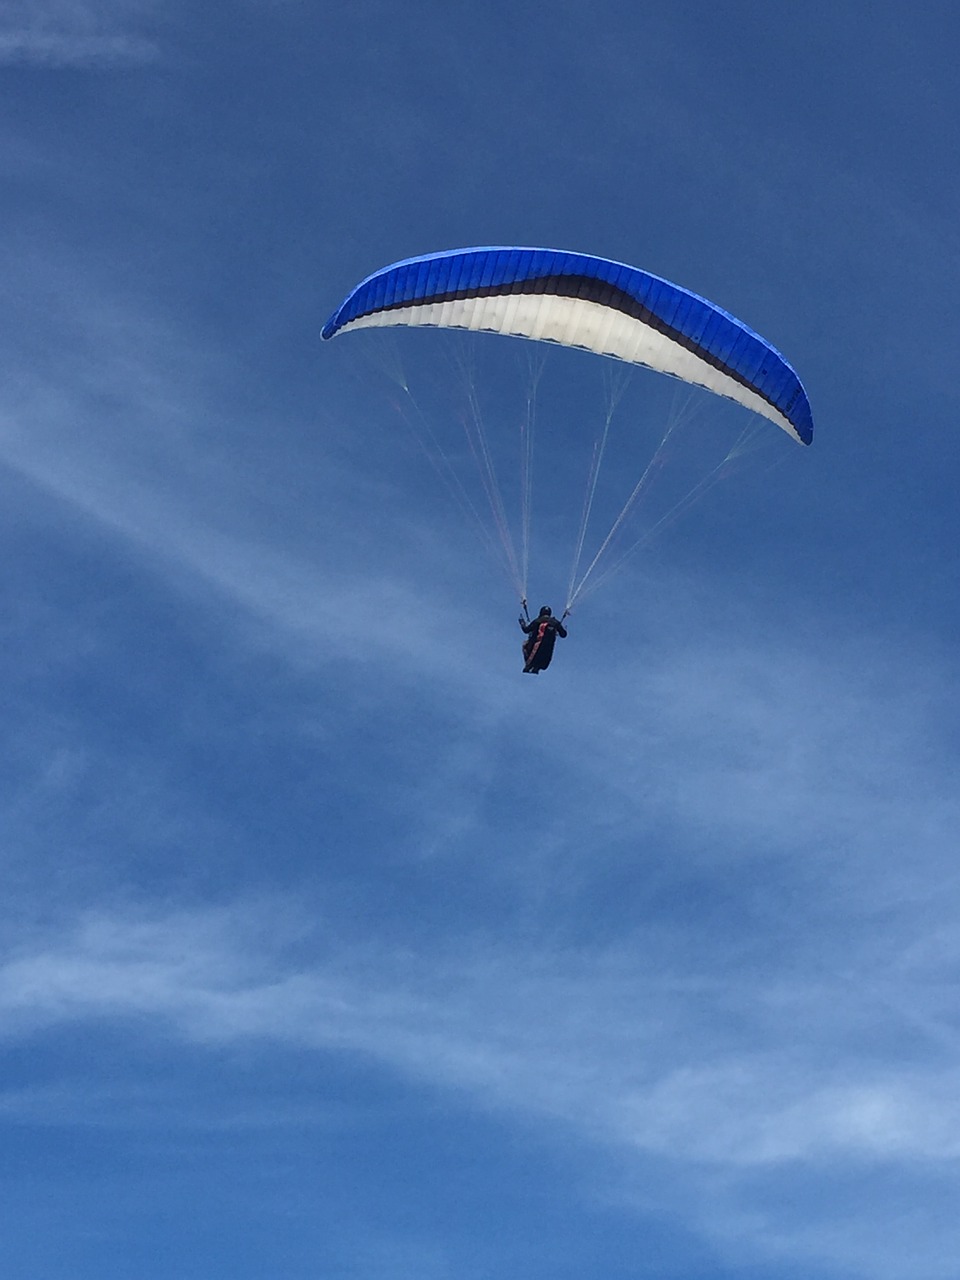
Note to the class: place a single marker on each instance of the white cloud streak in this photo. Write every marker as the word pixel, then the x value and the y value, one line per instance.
pixel 72 33
pixel 608 1045
pixel 60 49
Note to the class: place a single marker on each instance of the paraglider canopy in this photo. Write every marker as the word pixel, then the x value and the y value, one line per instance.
pixel 583 301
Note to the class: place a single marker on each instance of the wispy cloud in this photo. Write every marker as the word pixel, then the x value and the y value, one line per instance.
pixel 73 33
pixel 66 49
pixel 610 1045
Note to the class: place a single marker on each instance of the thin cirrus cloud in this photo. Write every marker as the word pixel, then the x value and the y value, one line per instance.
pixel 611 1040
pixel 610 1046
pixel 78 35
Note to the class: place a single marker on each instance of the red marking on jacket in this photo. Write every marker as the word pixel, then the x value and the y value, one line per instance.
pixel 540 634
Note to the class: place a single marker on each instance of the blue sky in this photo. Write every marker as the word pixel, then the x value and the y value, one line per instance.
pixel 332 945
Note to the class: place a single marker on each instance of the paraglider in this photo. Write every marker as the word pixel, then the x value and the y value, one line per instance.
pixel 597 305
pixel 541 632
